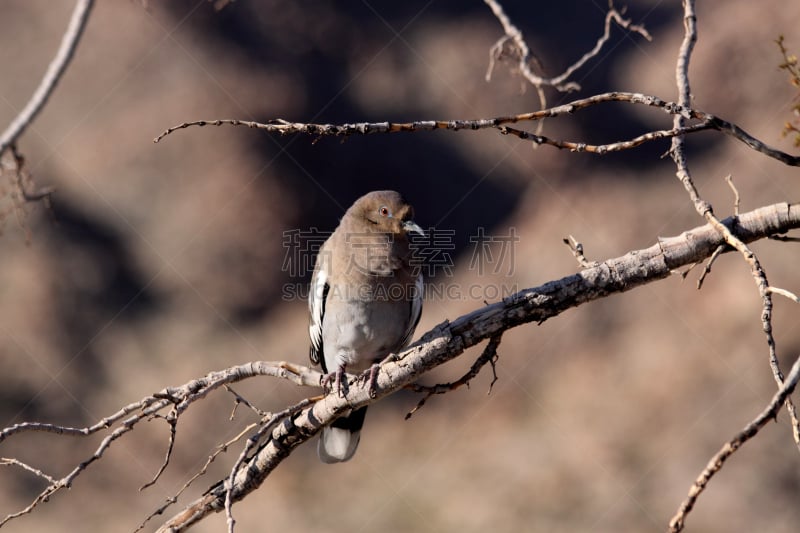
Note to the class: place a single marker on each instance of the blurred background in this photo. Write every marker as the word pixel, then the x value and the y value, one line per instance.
pixel 161 262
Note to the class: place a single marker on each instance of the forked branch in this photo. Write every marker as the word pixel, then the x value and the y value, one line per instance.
pixel 704 122
pixel 705 210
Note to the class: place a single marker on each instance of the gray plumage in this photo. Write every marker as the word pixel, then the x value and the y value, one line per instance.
pixel 365 301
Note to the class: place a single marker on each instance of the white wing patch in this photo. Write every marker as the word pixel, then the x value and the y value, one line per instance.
pixel 316 308
pixel 416 310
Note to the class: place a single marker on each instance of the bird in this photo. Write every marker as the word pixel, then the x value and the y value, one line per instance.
pixel 365 301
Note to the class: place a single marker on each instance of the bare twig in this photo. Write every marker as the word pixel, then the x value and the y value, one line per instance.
pixel 736 198
pixel 715 464
pixel 577 250
pixel 9 137
pixel 705 210
pixel 706 121
pixel 174 499
pixel 57 67
pixel 489 355
pixel 365 128
pixel 172 420
pixel 10 461
pixel 513 37
pixel 242 400
pixel 268 423
pixel 792 67
pixel 786 294
pixel 559 82
pixel 179 397
pixel 707 269
pixel 193 390
pixel 602 149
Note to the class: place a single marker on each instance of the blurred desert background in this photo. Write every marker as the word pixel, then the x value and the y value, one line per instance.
pixel 162 262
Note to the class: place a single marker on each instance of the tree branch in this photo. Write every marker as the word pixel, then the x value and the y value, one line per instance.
pixel 706 121
pixel 559 82
pixel 126 419
pixel 705 210
pixel 520 50
pixel 728 449
pixel 489 355
pixel 51 77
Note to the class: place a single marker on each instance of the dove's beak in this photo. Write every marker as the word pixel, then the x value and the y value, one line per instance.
pixel 410 225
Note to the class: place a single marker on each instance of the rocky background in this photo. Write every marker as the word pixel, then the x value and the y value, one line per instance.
pixel 161 262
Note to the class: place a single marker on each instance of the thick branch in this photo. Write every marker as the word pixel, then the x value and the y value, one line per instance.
pixel 450 339
pixel 57 67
